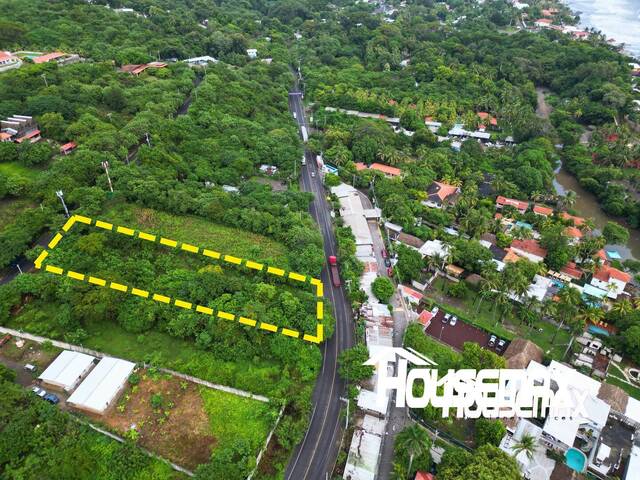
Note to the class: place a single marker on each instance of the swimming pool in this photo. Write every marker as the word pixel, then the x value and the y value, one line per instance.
pixel 598 330
pixel 575 460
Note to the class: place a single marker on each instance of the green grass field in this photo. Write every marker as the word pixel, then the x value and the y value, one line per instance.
pixel 630 389
pixel 15 169
pixel 200 232
pixel 232 417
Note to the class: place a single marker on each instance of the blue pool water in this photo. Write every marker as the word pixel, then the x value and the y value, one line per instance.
pixel 598 330
pixel 575 460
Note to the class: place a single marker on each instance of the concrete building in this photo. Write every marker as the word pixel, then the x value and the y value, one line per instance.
pixel 8 61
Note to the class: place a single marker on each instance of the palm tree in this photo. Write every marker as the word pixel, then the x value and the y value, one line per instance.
pixel 399 472
pixel 623 307
pixel 569 199
pixel 415 441
pixel 592 314
pixel 526 444
pixel 568 306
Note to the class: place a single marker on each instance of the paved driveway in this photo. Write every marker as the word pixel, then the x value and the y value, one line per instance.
pixel 456 335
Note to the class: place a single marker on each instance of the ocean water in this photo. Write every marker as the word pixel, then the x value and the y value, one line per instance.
pixel 618 19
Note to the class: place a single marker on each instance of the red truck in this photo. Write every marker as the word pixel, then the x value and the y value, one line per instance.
pixel 335 274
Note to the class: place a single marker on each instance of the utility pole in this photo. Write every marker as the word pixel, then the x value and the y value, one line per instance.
pixel 18 267
pixel 60 195
pixel 44 76
pixel 105 165
pixel 147 137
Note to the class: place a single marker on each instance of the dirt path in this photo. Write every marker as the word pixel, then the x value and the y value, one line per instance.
pixel 544 109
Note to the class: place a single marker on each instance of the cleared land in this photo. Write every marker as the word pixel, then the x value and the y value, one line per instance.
pixel 184 422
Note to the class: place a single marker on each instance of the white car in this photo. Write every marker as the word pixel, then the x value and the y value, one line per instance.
pixel 313 174
pixel 39 391
pixel 434 311
pixel 453 320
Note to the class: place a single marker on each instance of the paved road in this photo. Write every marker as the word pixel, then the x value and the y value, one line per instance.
pixel 315 457
pixel 25 265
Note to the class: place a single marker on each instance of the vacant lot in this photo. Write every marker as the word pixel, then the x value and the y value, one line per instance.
pixel 184 422
pixel 201 233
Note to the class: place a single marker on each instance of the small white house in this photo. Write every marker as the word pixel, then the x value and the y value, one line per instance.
pixel 252 53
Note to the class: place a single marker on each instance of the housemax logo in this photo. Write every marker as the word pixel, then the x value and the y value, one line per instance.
pixel 490 393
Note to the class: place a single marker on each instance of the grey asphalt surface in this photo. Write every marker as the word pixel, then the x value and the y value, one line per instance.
pixel 315 457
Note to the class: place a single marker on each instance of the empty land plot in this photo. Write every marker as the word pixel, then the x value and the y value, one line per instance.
pixel 165 271
pixel 172 418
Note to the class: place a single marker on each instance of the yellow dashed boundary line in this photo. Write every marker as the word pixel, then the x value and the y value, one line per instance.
pixel 129 232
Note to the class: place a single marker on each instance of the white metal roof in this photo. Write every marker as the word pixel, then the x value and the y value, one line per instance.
pixel 66 369
pixel 359 227
pixel 102 384
pixel 362 463
pixel 433 247
pixel 633 410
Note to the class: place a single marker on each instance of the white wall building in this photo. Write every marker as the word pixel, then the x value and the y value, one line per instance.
pixel 67 370
pixel 102 386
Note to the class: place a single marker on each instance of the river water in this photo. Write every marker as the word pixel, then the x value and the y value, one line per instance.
pixel 618 19
pixel 587 206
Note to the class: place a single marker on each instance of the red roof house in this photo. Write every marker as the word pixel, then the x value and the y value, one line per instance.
pixel 138 69
pixel 360 166
pixel 530 249
pixel 573 232
pixel 577 221
pixel 33 136
pixel 68 148
pixel 48 57
pixel 488 119
pixel 510 202
pixel 572 270
pixel 386 169
pixel 425 318
pixel 541 210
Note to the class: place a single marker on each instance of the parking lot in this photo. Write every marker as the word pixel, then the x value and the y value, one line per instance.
pixel 456 335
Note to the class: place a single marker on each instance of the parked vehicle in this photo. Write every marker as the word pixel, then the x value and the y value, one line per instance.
pixel 387 262
pixel 446 318
pixel 434 311
pixel 335 273
pixel 313 174
pixel 39 391
pixel 51 398
pixel 453 320
pixel 5 339
pixel 501 344
pixel 383 252
pixel 304 160
pixel 30 368
pixel 492 340
pixel 390 271
pixel 295 115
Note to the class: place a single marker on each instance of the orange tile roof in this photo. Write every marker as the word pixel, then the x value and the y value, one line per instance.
pixel 541 210
pixel 4 136
pixel 510 257
pixel 606 273
pixel 445 190
pixel 5 56
pixel 420 475
pixel 48 57
pixel 425 317
pixel 386 169
pixel 360 166
pixel 572 270
pixel 577 221
pixel 519 204
pixel 573 232
pixel 544 20
pixel 529 246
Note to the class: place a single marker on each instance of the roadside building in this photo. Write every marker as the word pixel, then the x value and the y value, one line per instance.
pixel 393 230
pixel 543 23
pixel 60 58
pixel 67 370
pixel 389 172
pixel 410 240
pixel 441 195
pixel 577 221
pixel 102 386
pixel 364 453
pixel 574 234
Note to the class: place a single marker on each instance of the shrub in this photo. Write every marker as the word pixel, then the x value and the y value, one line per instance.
pixel 383 289
pixel 134 379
